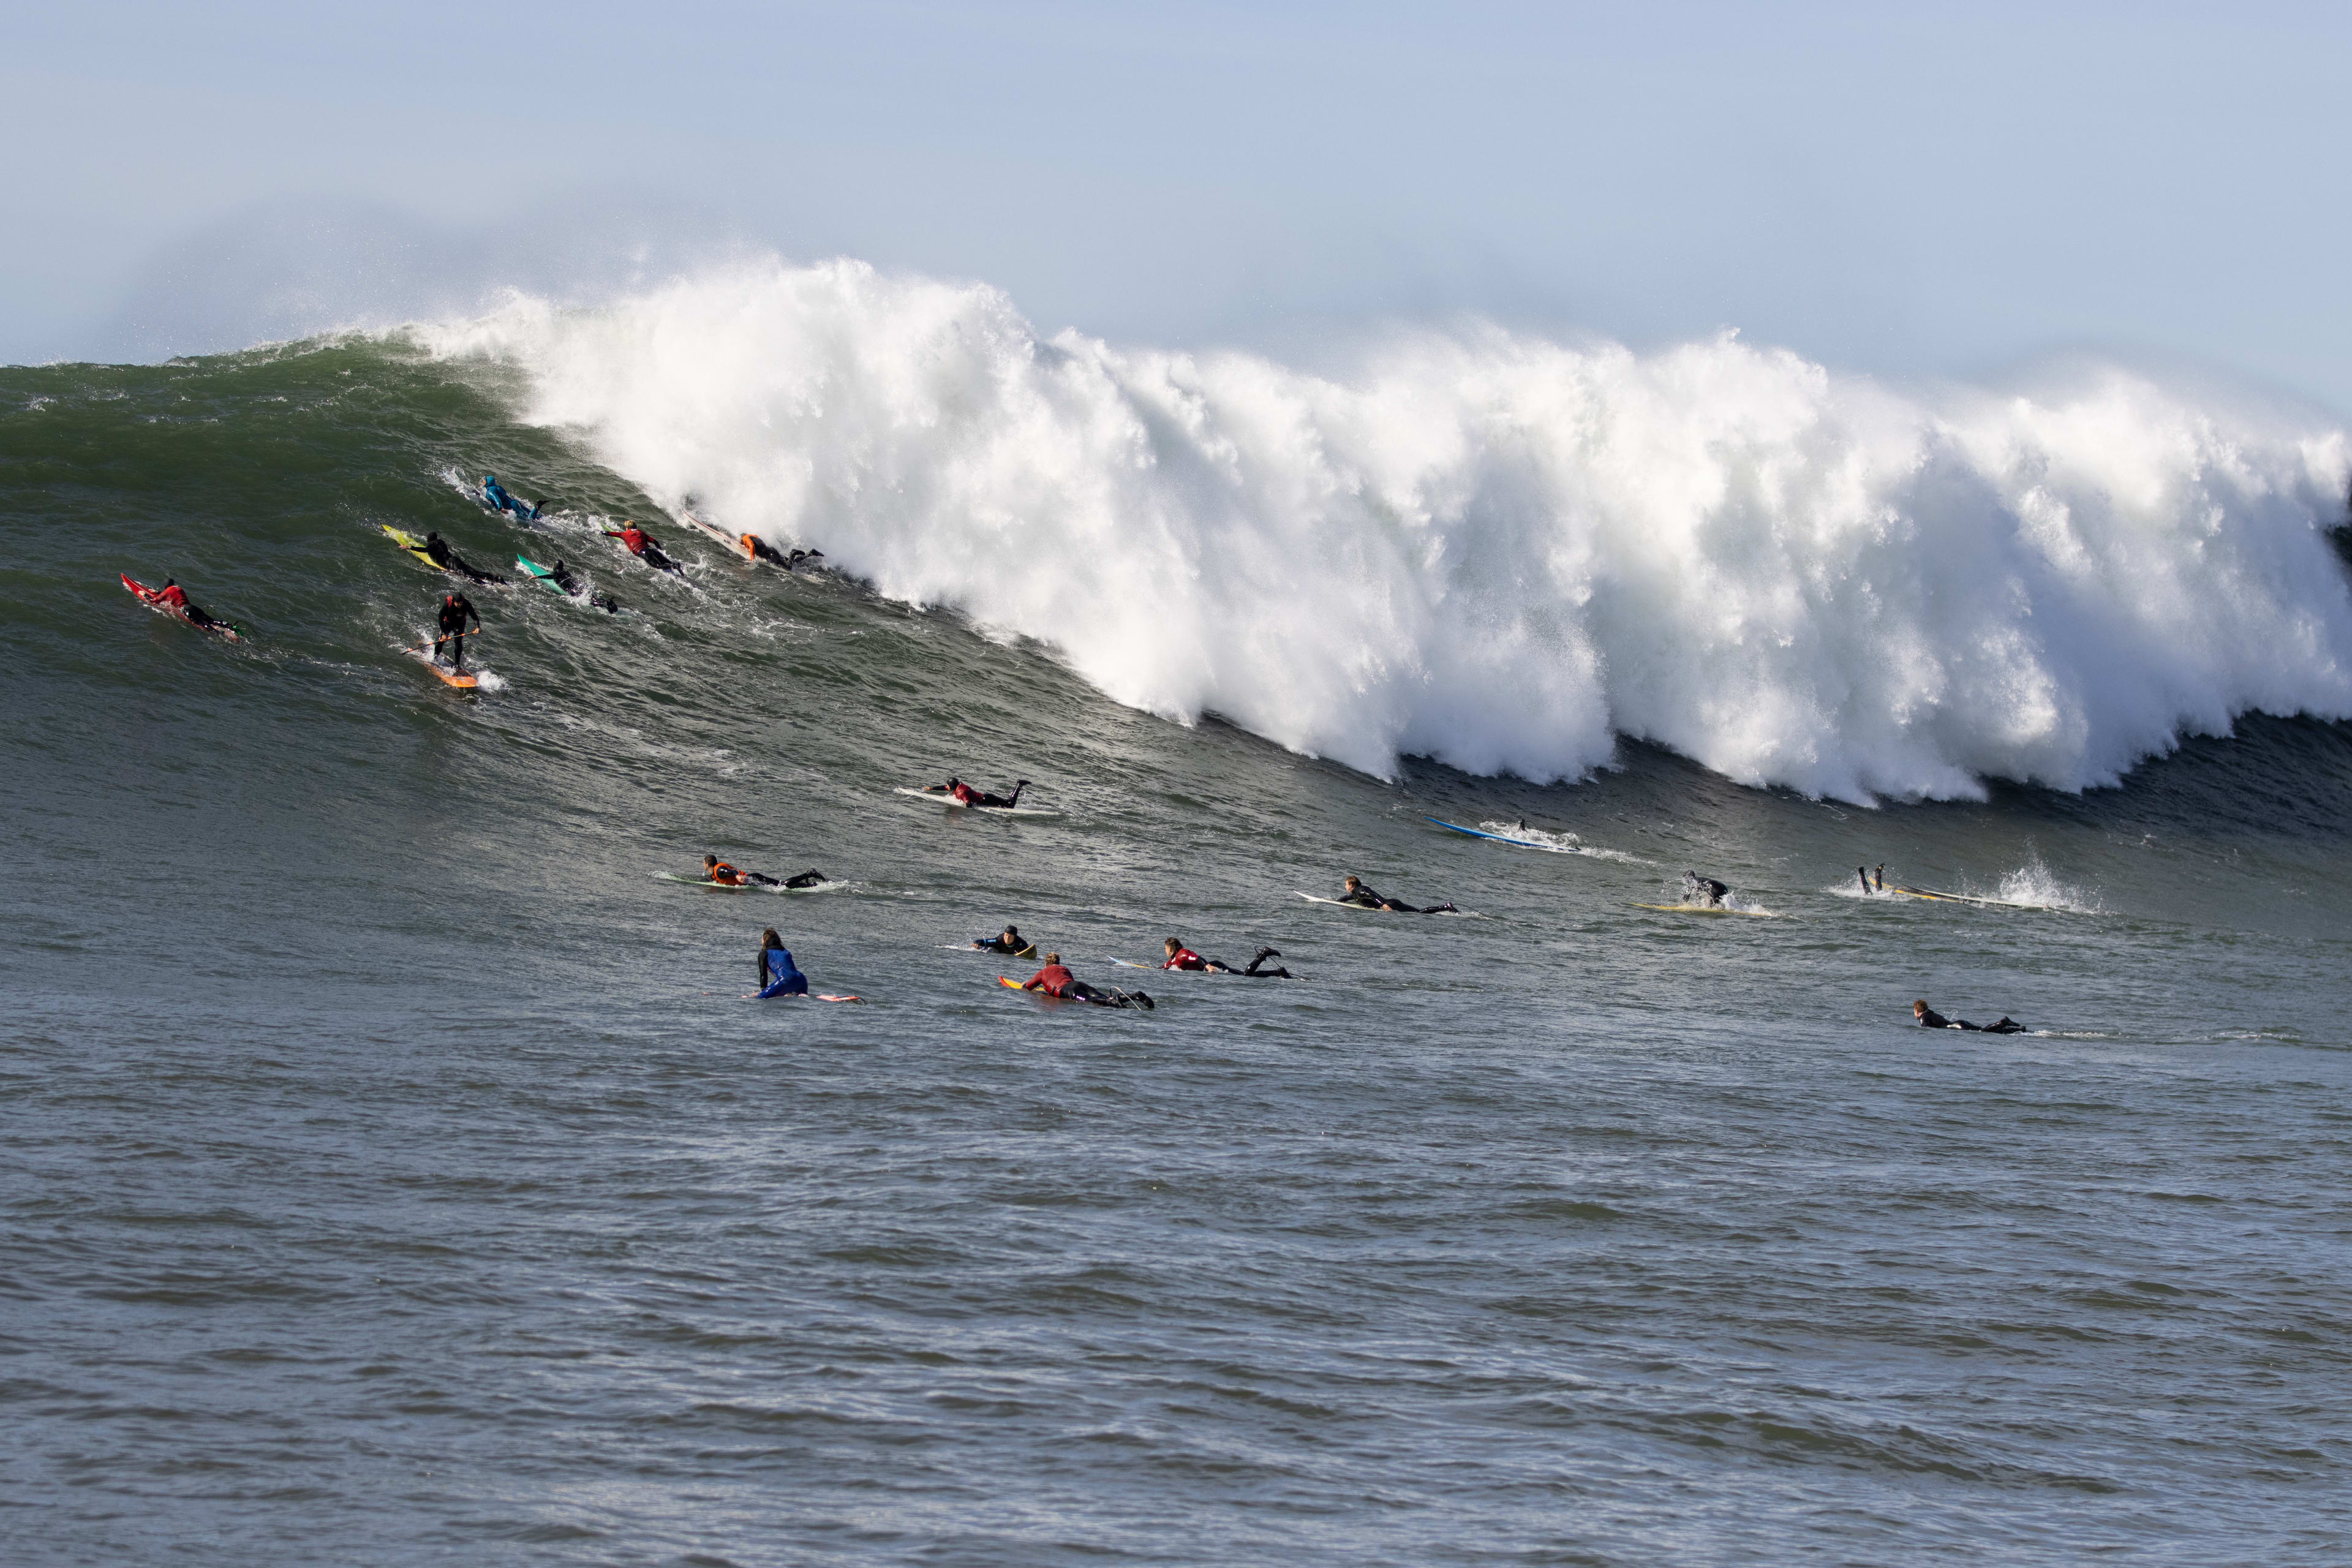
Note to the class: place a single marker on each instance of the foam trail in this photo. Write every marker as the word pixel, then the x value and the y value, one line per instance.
pixel 1498 550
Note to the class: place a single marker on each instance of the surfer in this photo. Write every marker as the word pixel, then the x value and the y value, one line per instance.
pixel 1359 894
pixel 761 549
pixel 1008 941
pixel 172 594
pixel 1926 1018
pixel 963 793
pixel 495 493
pixel 560 576
pixel 437 551
pixel 1704 893
pixel 727 876
pixel 640 544
pixel 779 975
pixel 455 608
pixel 1183 957
pixel 1056 981
pixel 1863 872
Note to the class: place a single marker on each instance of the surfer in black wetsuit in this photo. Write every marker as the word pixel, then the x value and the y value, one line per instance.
pixel 1882 876
pixel 1360 895
pixel 1926 1018
pixel 560 576
pixel 1009 941
pixel 172 594
pixel 1704 891
pixel 436 549
pixel 454 609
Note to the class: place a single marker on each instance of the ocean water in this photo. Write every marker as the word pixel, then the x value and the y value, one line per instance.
pixel 392 1172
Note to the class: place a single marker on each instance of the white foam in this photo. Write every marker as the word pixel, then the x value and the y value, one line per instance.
pixel 1498 550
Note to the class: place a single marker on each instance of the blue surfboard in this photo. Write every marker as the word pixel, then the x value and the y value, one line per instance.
pixel 1482 832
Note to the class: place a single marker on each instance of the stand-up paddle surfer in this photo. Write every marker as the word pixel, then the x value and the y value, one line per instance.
pixel 454 609
pixel 1358 893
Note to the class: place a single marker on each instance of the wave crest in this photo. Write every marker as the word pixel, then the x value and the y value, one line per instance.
pixel 1497 551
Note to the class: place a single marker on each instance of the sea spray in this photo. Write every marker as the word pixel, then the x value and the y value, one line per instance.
pixel 1495 550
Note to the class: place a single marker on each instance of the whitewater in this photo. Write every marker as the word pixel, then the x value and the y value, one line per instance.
pixel 1497 550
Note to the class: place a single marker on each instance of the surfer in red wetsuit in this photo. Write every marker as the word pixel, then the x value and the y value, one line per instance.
pixel 962 793
pixel 640 544
pixel 1055 980
pixel 1183 957
pixel 172 594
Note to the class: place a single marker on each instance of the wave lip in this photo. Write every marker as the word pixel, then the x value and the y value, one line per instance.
pixel 1493 550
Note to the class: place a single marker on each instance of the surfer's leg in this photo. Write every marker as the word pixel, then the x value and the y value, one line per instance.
pixel 808 878
pixel 457 654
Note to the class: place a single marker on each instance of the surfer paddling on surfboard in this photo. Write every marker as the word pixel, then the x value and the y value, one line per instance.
pixel 1183 957
pixel 1009 941
pixel 1926 1018
pixel 640 544
pixel 1366 897
pixel 174 597
pixel 760 549
pixel 455 608
pixel 727 876
pixel 436 549
pixel 495 493
pixel 962 793
pixel 560 576
pixel 1056 981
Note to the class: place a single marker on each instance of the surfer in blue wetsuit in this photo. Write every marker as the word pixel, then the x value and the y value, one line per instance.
pixel 495 493
pixel 779 975
pixel 1358 893
pixel 1926 1018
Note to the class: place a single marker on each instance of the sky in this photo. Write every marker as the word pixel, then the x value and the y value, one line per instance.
pixel 1948 190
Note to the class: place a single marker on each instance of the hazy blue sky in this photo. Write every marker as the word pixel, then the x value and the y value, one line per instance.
pixel 1945 188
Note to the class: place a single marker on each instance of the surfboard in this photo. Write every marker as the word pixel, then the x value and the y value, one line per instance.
pixel 717 535
pixel 537 573
pixel 1963 899
pixel 937 798
pixel 1029 951
pixel 1706 910
pixel 750 887
pixel 463 683
pixel 151 597
pixel 1497 837
pixel 409 543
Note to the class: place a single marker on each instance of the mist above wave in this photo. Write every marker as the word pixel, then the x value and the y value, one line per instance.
pixel 1497 551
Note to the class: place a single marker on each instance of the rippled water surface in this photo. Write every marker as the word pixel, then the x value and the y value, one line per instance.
pixel 392 1173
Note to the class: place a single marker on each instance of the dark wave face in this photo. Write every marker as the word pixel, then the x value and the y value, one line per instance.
pixel 393 1166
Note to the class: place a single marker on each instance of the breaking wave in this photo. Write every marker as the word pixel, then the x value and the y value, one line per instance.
pixel 1497 551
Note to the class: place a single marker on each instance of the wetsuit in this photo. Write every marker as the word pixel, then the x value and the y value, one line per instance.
pixel 779 975
pixel 1866 881
pixel 436 549
pixel 964 794
pixel 1881 878
pixel 1931 1019
pixel 1056 981
pixel 1703 891
pixel 454 611
pixel 1369 899
pixel 1255 972
pixel 560 576
pixel 497 496
pixel 1185 958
